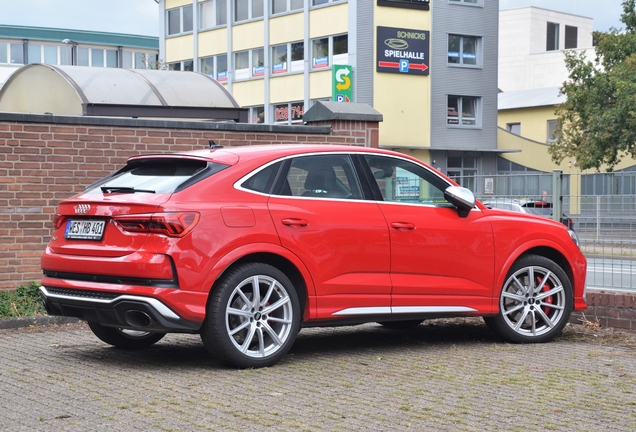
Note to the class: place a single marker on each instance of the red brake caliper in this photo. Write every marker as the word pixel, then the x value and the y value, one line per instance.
pixel 549 300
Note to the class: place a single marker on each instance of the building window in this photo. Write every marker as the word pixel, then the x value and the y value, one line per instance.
pixel 247 9
pixel 329 50
pixel 66 55
pixel 291 112
pixel 215 66
pixel 514 128
pixel 407 4
pixel 552 43
pixel 463 170
pixel 147 61
pixel 553 131
pixel 34 53
pixel 464 50
pixel 323 2
pixel 111 58
pixel 464 111
pixel 97 57
pixel 213 13
pixel 179 20
pixel 16 53
pixel 571 37
pixel 257 114
pixel 281 55
pixel 50 54
pixel 258 62
pixel 249 61
pixel 279 59
pixel 241 65
pixel 83 56
pixel 282 6
pixel 186 66
pixel 468 2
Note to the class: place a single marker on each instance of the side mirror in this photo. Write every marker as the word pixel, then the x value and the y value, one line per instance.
pixel 461 198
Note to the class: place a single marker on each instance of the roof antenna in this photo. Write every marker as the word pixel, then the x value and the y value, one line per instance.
pixel 214 145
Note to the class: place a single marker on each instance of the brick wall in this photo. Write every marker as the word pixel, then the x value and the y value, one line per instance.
pixel 610 309
pixel 45 159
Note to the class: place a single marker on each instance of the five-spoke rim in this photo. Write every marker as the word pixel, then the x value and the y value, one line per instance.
pixel 533 301
pixel 259 316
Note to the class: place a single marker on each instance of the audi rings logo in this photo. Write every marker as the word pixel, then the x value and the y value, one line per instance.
pixel 396 44
pixel 82 208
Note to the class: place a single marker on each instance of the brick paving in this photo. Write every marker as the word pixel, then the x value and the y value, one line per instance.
pixel 446 375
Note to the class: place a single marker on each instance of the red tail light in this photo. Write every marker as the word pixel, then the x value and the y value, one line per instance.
pixel 57 220
pixel 170 224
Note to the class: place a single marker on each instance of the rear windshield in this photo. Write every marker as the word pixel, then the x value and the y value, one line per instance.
pixel 159 176
pixel 539 208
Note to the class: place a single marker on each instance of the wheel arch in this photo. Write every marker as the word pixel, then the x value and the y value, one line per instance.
pixel 279 262
pixel 553 255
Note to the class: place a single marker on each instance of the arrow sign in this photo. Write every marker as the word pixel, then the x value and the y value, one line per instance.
pixel 342 78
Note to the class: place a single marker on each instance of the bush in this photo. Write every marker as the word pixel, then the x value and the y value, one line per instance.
pixel 25 301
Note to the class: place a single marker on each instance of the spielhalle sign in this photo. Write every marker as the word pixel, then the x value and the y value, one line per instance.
pixel 402 51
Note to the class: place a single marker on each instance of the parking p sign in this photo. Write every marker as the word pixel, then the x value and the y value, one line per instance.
pixel 342 78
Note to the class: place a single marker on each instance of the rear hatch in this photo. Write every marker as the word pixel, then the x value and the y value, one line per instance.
pixel 100 221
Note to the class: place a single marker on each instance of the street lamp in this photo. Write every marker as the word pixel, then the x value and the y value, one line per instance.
pixel 73 50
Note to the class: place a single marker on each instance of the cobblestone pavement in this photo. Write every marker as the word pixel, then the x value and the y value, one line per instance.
pixel 444 375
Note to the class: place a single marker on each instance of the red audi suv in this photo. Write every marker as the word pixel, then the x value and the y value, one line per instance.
pixel 247 245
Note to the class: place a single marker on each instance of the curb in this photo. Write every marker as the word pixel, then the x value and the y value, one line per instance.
pixel 19 322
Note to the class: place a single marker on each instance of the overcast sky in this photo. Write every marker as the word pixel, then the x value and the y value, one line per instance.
pixel 141 16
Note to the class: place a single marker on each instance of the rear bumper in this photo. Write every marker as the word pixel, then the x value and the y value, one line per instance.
pixel 116 310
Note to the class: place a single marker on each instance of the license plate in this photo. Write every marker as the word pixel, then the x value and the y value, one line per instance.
pixel 84 229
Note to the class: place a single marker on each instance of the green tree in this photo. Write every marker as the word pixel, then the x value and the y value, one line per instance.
pixel 598 119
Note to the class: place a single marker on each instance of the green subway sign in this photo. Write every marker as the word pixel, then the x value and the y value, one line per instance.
pixel 342 78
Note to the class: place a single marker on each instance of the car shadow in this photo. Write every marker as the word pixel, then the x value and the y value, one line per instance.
pixel 375 336
pixel 176 352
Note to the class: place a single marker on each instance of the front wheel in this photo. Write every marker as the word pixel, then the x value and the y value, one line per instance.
pixel 123 338
pixel 253 317
pixel 535 302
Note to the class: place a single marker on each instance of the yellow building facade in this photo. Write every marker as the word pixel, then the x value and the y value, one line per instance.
pixel 428 68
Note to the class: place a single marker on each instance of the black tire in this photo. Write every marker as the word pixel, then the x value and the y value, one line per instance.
pixel 125 339
pixel 534 311
pixel 400 325
pixel 253 317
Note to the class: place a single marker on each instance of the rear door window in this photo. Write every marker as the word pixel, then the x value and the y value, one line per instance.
pixel 321 176
pixel 160 176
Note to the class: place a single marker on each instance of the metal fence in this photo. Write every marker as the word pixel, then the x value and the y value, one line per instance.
pixel 601 207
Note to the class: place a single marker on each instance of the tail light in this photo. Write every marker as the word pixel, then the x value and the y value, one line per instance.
pixel 57 220
pixel 170 224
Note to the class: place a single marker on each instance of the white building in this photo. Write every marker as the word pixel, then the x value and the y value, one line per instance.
pixel 531 44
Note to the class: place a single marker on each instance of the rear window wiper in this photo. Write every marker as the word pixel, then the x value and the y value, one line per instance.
pixel 123 189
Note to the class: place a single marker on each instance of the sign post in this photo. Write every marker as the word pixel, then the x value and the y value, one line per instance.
pixel 342 79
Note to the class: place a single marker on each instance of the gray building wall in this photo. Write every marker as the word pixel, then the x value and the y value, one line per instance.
pixel 361 16
pixel 468 20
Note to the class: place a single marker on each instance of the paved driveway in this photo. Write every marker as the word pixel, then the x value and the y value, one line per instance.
pixel 443 375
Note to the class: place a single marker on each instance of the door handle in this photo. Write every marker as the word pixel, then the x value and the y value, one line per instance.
pixel 294 222
pixel 404 226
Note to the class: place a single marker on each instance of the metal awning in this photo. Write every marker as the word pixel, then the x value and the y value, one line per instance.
pixel 116 92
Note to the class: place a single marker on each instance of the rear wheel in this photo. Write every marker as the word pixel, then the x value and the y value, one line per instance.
pixel 124 338
pixel 535 302
pixel 253 317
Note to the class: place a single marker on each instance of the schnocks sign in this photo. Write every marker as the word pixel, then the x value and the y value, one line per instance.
pixel 402 50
